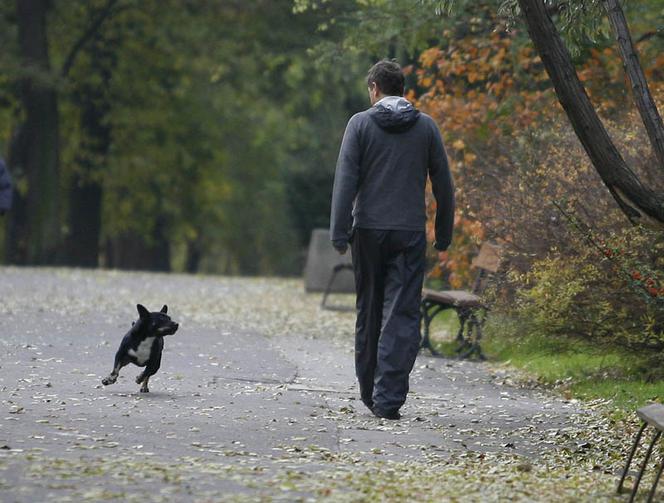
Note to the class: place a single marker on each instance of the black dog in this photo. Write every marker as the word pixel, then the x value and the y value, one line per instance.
pixel 142 345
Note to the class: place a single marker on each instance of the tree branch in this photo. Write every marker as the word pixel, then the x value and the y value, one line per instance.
pixel 642 96
pixel 86 36
pixel 556 8
pixel 639 203
pixel 648 35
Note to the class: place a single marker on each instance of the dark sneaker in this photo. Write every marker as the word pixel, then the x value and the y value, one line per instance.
pixel 368 403
pixel 392 415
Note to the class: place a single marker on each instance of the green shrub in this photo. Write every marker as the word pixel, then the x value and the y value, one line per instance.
pixel 608 291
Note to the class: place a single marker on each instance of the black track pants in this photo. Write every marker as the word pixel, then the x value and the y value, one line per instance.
pixel 389 270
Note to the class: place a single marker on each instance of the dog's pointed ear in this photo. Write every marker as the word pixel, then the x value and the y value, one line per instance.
pixel 142 312
pixel 164 309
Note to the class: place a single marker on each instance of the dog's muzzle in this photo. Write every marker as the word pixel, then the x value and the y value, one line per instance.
pixel 170 329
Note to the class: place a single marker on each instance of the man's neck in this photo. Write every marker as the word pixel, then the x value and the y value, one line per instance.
pixel 383 96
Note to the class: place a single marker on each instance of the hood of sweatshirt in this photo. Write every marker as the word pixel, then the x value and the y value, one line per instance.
pixel 394 114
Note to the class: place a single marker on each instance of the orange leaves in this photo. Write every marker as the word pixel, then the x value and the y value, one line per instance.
pixel 467 64
pixel 510 148
pixel 468 233
pixel 498 57
pixel 459 145
pixel 429 57
pixel 656 67
pixel 473 77
pixel 469 157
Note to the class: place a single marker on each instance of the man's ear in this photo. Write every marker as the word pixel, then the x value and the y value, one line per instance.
pixel 374 91
pixel 164 309
pixel 142 312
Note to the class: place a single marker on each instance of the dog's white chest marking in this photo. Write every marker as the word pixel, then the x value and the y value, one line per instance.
pixel 142 352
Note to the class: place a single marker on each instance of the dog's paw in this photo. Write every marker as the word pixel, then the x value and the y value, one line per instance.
pixel 145 390
pixel 139 378
pixel 108 380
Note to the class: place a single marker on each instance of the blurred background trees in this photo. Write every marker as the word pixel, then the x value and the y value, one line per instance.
pixel 166 135
pixel 202 136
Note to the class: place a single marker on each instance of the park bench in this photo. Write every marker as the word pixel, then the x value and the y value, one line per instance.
pixel 469 306
pixel 650 415
pixel 338 268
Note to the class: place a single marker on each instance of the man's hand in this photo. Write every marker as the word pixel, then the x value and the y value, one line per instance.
pixel 341 245
pixel 341 250
pixel 438 246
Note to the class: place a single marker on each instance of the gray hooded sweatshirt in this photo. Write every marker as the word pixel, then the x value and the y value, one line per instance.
pixel 386 154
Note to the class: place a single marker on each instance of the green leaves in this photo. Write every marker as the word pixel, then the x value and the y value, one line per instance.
pixel 207 111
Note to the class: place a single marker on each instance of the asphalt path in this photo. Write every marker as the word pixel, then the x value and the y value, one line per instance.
pixel 230 407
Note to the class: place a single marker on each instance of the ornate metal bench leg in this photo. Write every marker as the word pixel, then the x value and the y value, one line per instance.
pixel 478 338
pixel 463 316
pixel 464 325
pixel 654 484
pixel 631 455
pixel 335 271
pixel 427 317
pixel 471 346
pixel 643 466
pixel 426 321
pixel 328 290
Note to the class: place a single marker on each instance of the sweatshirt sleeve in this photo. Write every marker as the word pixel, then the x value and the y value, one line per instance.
pixel 443 191
pixel 346 182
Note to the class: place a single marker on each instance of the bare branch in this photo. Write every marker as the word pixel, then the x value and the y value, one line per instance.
pixel 99 19
pixel 648 35
pixel 640 90
pixel 639 203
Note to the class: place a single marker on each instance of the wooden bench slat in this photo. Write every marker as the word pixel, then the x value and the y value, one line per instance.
pixel 458 298
pixel 469 306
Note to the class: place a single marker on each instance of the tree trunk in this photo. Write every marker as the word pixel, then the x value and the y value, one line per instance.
pixel 16 238
pixel 136 251
pixel 638 203
pixel 82 246
pixel 642 97
pixel 36 149
pixel 194 255
pixel 84 188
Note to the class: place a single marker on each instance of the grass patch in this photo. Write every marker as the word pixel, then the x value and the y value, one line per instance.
pixel 443 331
pixel 574 367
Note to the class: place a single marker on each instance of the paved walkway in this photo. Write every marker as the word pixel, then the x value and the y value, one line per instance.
pixel 230 406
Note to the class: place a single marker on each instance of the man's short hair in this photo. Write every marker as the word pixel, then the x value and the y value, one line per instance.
pixel 388 77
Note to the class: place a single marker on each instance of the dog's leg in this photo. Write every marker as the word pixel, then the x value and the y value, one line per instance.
pixel 152 366
pixel 149 371
pixel 113 376
pixel 140 377
pixel 144 388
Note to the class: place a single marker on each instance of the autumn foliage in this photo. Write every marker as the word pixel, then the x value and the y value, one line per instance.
pixel 523 179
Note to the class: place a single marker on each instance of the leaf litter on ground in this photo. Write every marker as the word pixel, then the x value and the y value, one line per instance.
pixel 579 461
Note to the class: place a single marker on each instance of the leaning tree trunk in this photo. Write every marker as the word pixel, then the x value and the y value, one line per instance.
pixel 639 203
pixel 37 145
pixel 642 97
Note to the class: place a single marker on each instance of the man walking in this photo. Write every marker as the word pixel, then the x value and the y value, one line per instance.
pixel 378 205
